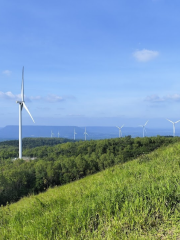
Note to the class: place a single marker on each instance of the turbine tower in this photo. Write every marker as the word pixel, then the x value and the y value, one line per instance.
pixel 85 133
pixel 173 126
pixel 120 132
pixel 143 126
pixel 21 105
pixel 58 134
pixel 74 134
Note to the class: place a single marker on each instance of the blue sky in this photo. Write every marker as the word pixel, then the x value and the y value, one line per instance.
pixel 91 63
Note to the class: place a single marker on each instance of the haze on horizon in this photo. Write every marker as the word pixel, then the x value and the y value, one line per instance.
pixel 91 63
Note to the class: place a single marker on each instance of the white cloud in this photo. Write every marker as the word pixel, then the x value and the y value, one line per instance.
pixel 15 97
pixel 156 98
pixel 7 72
pixel 50 98
pixel 174 97
pixel 54 98
pixel 145 55
pixel 8 95
pixel 35 98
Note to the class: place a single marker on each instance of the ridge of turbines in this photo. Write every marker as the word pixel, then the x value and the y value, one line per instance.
pixel 22 104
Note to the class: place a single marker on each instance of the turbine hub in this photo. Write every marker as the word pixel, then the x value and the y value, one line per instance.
pixel 20 102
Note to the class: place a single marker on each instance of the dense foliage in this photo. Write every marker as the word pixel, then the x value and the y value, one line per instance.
pixel 67 162
pixel 138 200
pixel 34 142
pixel 10 148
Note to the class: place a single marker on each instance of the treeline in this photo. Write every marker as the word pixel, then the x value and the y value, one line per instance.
pixel 34 142
pixel 67 162
pixel 10 148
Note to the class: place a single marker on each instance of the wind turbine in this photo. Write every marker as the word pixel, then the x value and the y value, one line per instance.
pixel 143 126
pixel 173 126
pixel 21 105
pixel 85 133
pixel 52 134
pixel 58 134
pixel 74 134
pixel 120 132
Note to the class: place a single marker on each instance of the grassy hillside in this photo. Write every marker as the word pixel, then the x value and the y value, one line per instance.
pixel 135 200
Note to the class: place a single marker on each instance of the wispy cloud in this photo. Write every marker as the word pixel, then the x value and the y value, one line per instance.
pixel 35 98
pixel 155 98
pixel 6 72
pixel 16 97
pixel 145 55
pixel 50 98
pixel 9 95
pixel 54 98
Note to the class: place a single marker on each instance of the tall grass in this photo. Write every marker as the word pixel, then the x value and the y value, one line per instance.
pixel 136 200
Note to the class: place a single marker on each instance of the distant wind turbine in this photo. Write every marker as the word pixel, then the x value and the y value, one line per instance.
pixel 85 133
pixel 173 126
pixel 58 134
pixel 74 134
pixel 143 126
pixel 120 132
pixel 21 105
pixel 52 134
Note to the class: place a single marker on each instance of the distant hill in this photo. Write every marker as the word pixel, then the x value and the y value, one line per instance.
pixel 12 132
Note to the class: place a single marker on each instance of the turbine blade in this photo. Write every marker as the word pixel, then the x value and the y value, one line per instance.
pixel 24 105
pixel 22 86
pixel 169 120
pixel 146 123
pixel 177 121
pixel 122 126
pixel 117 127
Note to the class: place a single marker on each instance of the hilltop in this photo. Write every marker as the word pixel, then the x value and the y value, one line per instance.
pixel 54 165
pixel 135 200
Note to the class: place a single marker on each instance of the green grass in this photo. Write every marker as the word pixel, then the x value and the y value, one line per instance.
pixel 136 200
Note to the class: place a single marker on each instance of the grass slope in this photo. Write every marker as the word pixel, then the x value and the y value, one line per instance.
pixel 136 200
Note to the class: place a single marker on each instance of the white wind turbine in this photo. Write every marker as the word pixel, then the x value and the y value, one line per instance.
pixel 85 133
pixel 120 132
pixel 52 134
pixel 143 126
pixel 74 134
pixel 21 105
pixel 58 134
pixel 173 126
